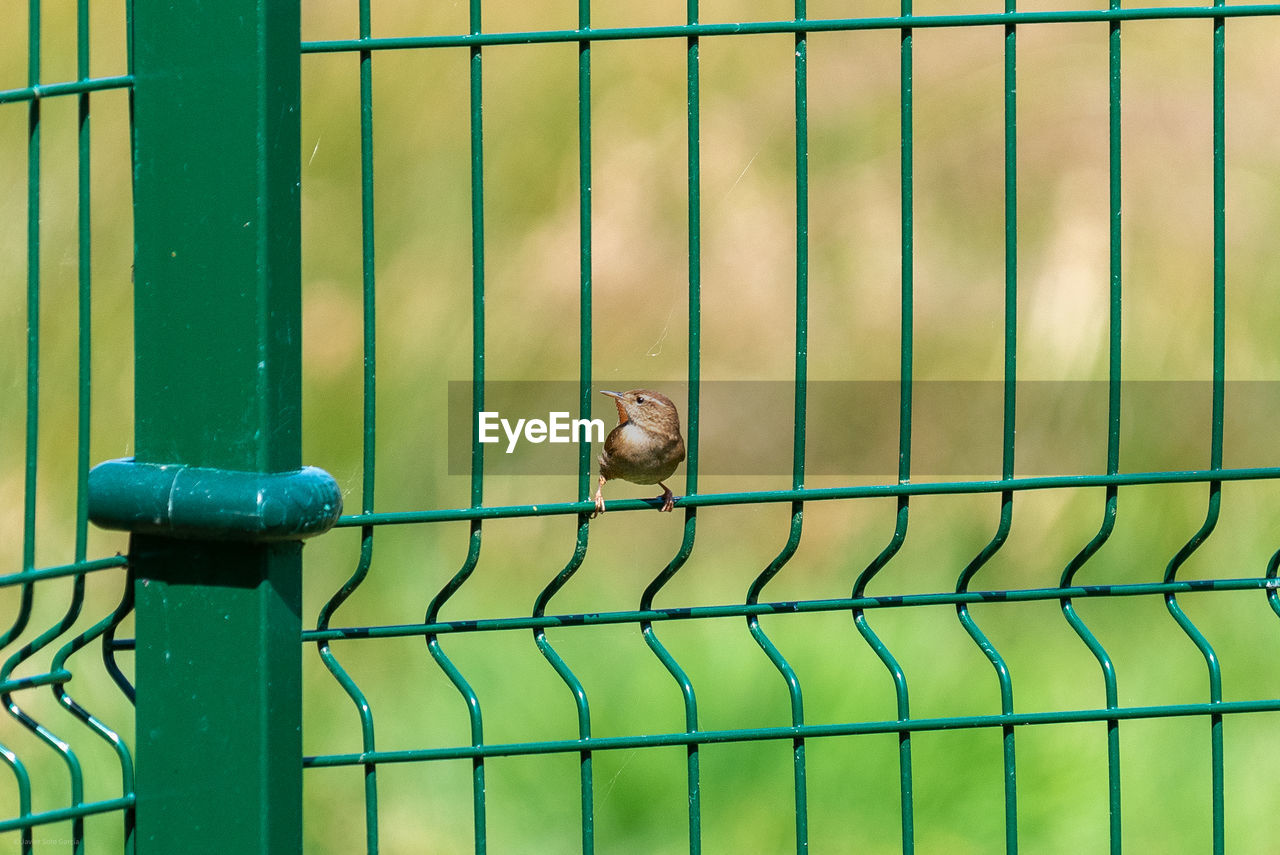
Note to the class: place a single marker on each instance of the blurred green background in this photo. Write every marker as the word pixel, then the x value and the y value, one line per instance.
pixel 640 274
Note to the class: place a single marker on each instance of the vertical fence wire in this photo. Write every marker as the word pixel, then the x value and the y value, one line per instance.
pixel 472 700
pixel 1004 526
pixel 110 646
pixel 792 680
pixel 369 432
pixel 1111 500
pixel 694 169
pixel 578 691
pixel 1213 509
pixel 693 777
pixel 11 759
pixel 905 379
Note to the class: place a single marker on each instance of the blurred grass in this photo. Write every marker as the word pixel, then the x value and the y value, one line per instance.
pixel 422 243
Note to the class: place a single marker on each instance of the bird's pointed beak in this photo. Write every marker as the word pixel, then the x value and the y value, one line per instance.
pixel 618 402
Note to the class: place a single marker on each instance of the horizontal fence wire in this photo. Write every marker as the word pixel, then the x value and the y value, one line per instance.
pixel 797 26
pixel 71 87
pixel 863 608
pixel 1026 595
pixel 747 734
pixel 816 494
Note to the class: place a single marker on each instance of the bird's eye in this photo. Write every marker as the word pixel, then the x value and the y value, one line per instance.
pixel 640 399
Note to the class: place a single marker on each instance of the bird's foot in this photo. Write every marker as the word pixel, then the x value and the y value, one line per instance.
pixel 599 505
pixel 668 500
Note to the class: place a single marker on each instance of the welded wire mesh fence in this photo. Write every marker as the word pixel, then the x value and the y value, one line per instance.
pixel 1039 224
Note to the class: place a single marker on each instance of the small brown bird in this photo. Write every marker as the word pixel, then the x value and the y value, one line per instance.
pixel 645 447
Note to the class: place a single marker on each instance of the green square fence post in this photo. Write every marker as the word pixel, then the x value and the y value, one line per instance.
pixel 215 498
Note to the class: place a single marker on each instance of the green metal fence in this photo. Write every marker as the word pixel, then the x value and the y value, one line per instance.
pixel 191 734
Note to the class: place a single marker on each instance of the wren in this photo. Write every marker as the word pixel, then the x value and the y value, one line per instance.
pixel 645 447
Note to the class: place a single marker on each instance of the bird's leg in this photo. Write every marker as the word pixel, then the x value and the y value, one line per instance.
pixel 599 499
pixel 668 500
